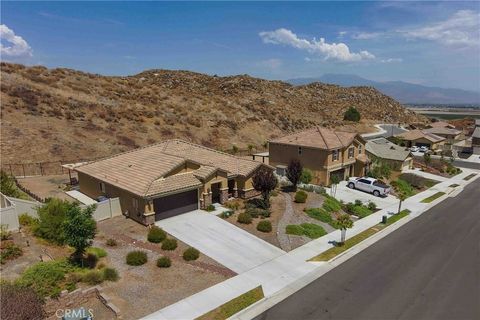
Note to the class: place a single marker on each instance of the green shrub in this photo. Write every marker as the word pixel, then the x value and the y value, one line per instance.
pixel 361 211
pixel 52 216
pixel 27 221
pixel 264 226
pixel 244 217
pixel 306 176
pixel 352 114
pixel 110 274
pixel 9 252
pixel 301 196
pixel 191 254
pixel 372 206
pixel 45 277
pixel 402 186
pixel 92 277
pixel 319 214
pixel 313 231
pixel 164 262
pixel 136 258
pixel 210 208
pixel 233 204
pixel 89 261
pixel 358 202
pixel 169 244
pixel 99 252
pixel 256 203
pixel 227 213
pixel 111 242
pixel 294 229
pixel 156 234
pixel 257 212
pixel 331 205
pixel 4 233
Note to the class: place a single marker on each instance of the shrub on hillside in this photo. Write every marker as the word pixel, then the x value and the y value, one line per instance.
pixel 191 254
pixel 164 262
pixel 110 274
pixel 244 217
pixel 301 196
pixel 169 244
pixel 136 258
pixel 352 114
pixel 156 234
pixel 264 226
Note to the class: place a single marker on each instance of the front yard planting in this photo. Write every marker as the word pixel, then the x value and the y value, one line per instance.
pixel 234 306
pixel 433 197
pixel 333 252
pixel 136 258
pixel 310 230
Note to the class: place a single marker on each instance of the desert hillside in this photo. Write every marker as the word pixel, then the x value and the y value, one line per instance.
pixel 55 114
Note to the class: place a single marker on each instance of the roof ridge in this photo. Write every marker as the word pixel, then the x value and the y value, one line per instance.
pixel 323 138
pixel 340 140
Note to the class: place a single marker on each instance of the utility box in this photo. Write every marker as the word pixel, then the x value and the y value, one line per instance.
pixel 384 219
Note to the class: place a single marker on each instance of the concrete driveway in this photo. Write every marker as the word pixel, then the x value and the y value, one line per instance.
pixel 231 246
pixel 350 195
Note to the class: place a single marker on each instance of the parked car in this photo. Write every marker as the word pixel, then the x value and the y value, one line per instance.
pixel 371 185
pixel 423 149
pixel 414 149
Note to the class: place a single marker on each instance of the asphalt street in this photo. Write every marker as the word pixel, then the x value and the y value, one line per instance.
pixel 427 269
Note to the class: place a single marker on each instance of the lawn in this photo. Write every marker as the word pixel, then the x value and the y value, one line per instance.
pixel 454 185
pixel 333 252
pixel 310 230
pixel 235 305
pixel 433 197
pixel 470 176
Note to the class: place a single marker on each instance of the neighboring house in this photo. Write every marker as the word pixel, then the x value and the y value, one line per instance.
pixel 441 124
pixel 168 178
pixel 476 137
pixel 422 138
pixel 451 135
pixel 397 157
pixel 324 151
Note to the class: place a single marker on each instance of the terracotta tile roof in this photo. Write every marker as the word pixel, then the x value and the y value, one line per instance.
pixel 140 171
pixel 418 134
pixel 443 130
pixel 318 137
pixel 178 182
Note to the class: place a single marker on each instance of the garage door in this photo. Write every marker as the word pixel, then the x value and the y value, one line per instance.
pixel 175 204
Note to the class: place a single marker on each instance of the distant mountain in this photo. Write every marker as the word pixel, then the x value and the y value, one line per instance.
pixel 402 91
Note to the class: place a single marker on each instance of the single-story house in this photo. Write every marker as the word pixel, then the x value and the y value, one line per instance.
pixel 451 135
pixel 441 124
pixel 168 178
pixel 422 138
pixel 397 157
pixel 324 151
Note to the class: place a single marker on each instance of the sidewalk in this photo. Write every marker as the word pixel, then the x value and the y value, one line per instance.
pixel 288 273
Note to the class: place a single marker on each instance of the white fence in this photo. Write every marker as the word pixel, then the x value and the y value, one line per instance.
pixel 12 208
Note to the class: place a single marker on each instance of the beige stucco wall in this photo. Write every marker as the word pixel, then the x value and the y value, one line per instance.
pixel 219 176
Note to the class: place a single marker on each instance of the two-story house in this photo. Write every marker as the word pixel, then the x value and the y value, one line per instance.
pixel 324 151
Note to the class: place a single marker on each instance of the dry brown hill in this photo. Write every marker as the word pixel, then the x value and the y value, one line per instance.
pixel 53 114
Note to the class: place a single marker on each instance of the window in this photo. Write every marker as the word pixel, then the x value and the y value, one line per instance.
pixel 335 155
pixel 351 152
pixel 299 150
pixel 102 187
pixel 359 149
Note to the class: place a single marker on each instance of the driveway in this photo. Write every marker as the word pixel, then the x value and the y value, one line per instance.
pixel 231 246
pixel 350 195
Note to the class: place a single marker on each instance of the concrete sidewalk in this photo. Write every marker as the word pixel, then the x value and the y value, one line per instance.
pixel 287 273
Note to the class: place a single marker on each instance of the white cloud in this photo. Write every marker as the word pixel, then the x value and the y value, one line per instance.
pixel 461 29
pixel 272 64
pixel 367 35
pixel 16 47
pixel 391 60
pixel 334 51
pixel 341 34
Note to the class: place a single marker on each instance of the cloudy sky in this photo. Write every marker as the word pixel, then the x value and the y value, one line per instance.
pixel 430 43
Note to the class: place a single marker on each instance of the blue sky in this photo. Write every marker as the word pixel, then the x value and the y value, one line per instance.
pixel 430 43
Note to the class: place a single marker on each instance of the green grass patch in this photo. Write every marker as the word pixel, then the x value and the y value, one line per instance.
pixel 470 176
pixel 433 197
pixel 234 306
pixel 311 230
pixel 454 185
pixel 333 252
pixel 99 252
pixel 319 214
pixel 404 187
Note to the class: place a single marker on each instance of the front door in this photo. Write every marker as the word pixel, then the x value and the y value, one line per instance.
pixel 216 192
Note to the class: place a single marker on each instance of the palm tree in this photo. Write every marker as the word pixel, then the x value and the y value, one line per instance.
pixel 344 222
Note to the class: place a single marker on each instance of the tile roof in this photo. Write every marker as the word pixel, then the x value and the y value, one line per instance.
pixel 418 134
pixel 385 149
pixel 443 130
pixel 144 171
pixel 318 137
pixel 441 124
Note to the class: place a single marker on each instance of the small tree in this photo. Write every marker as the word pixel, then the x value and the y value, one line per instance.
pixel 7 185
pixel 352 114
pixel 51 218
pixel 250 148
pixel 381 169
pixel 294 171
pixel 79 229
pixel 344 222
pixel 264 181
pixel 234 149
pixel 427 158
pixel 306 176
pixel 401 196
pixel 334 179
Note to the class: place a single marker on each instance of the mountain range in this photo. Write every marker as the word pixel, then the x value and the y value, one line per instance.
pixel 404 92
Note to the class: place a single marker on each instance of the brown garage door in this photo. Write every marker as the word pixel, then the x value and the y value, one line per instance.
pixel 175 204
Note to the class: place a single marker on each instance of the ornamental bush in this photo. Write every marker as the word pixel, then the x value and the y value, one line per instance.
pixel 93 277
pixel 244 217
pixel 169 244
pixel 110 274
pixel 136 258
pixel 156 234
pixel 301 196
pixel 352 114
pixel 191 254
pixel 164 262
pixel 111 242
pixel 264 226
pixel 99 252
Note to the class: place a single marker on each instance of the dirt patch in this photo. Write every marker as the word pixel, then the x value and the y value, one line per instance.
pixel 48 186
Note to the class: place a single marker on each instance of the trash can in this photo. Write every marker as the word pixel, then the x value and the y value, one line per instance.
pixel 384 219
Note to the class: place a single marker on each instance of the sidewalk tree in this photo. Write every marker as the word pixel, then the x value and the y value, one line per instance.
pixel 79 229
pixel 427 158
pixel 344 222
pixel 401 196
pixel 294 171
pixel 264 181
pixel 335 180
